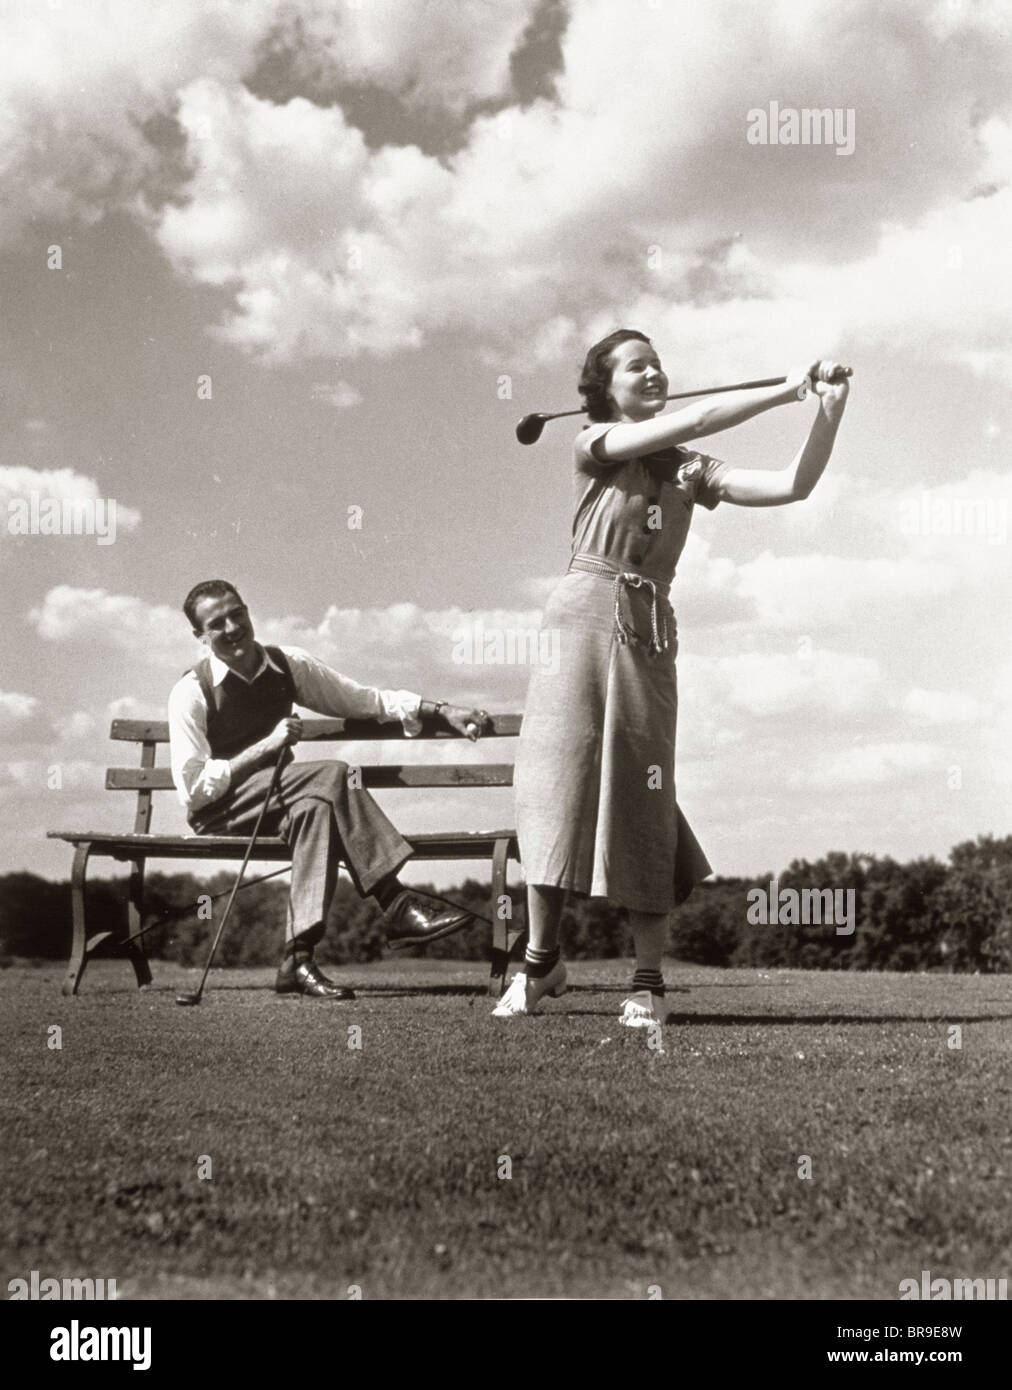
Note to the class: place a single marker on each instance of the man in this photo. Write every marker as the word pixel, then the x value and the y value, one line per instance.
pixel 231 716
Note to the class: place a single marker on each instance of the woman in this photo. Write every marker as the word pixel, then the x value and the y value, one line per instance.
pixel 596 809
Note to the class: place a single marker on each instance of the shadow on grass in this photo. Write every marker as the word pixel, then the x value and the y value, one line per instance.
pixel 768 1020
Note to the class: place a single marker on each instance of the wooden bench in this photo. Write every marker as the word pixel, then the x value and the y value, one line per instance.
pixel 140 845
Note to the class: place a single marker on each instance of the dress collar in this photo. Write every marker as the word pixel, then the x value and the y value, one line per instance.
pixel 219 670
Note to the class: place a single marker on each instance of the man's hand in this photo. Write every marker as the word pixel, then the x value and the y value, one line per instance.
pixel 472 723
pixel 286 731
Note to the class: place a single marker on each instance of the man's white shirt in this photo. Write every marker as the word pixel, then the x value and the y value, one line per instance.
pixel 201 779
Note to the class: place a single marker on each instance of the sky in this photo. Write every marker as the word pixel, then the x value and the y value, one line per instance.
pixel 279 277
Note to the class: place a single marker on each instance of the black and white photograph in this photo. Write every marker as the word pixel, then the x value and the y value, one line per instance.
pixel 506 691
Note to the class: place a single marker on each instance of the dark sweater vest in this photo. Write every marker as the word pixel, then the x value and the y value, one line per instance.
pixel 240 714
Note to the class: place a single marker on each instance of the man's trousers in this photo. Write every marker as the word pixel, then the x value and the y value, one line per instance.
pixel 323 821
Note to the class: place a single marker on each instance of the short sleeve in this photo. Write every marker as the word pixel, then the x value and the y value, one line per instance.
pixel 711 474
pixel 583 456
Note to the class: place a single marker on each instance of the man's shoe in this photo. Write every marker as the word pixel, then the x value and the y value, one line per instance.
pixel 307 979
pixel 411 921
pixel 525 992
pixel 643 1010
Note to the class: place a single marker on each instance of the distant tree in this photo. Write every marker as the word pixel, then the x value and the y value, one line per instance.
pixel 593 929
pixel 707 928
pixel 35 914
pixel 895 929
pixel 972 909
pixel 915 916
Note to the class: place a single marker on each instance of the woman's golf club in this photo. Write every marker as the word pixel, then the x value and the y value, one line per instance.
pixel 194 998
pixel 530 427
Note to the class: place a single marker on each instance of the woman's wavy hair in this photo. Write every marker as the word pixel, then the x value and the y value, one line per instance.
pixel 595 379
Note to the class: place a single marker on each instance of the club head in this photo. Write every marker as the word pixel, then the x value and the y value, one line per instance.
pixel 530 427
pixel 188 1000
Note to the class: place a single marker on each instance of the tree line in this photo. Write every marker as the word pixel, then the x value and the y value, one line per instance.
pixel 922 915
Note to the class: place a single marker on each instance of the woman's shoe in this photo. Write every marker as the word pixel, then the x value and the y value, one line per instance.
pixel 643 1010
pixel 525 993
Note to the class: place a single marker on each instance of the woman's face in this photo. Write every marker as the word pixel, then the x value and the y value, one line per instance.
pixel 638 385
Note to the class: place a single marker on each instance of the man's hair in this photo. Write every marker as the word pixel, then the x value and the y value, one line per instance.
pixel 595 378
pixel 207 588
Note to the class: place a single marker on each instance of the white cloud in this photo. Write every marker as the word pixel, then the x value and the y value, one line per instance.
pixel 522 194
pixel 21 718
pixel 824 682
pixel 870 765
pixel 425 54
pixel 342 395
pixel 128 707
pixel 14 708
pixel 94 617
pixel 18 486
pixel 809 592
pixel 943 707
pixel 74 727
pixel 479 656
pixel 537 588
pixel 775 703
pixel 335 247
pixel 53 776
pixel 469 656
pixel 79 81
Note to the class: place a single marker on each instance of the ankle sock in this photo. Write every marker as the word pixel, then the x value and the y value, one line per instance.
pixel 386 890
pixel 299 950
pixel 537 964
pixel 652 980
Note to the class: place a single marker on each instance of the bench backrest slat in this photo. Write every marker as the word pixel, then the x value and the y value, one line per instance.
pixel 314 730
pixel 148 779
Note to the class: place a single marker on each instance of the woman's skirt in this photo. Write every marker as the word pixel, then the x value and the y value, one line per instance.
pixel 595 771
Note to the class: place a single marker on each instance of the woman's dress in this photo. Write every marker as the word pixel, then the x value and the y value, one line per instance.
pixel 595 772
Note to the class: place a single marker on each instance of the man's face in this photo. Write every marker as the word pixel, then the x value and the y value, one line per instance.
pixel 225 628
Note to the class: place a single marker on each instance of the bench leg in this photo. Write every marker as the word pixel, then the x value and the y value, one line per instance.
pixel 505 933
pixel 135 921
pixel 79 941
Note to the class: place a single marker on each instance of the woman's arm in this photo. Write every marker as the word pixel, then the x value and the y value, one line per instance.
pixel 747 487
pixel 629 440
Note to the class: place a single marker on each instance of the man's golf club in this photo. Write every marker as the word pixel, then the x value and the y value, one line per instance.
pixel 530 427
pixel 194 998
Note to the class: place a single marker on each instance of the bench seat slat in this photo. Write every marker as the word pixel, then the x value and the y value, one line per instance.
pixel 373 775
pixel 477 844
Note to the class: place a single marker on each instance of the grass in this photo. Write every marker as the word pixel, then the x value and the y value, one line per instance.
pixel 379 1166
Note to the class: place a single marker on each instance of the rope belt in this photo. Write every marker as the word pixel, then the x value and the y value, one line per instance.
pixel 624 631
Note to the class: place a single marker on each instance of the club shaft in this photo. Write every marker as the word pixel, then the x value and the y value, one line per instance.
pixel 707 391
pixel 242 869
pixel 738 386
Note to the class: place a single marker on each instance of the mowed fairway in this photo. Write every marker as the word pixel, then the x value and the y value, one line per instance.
pixel 384 1166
